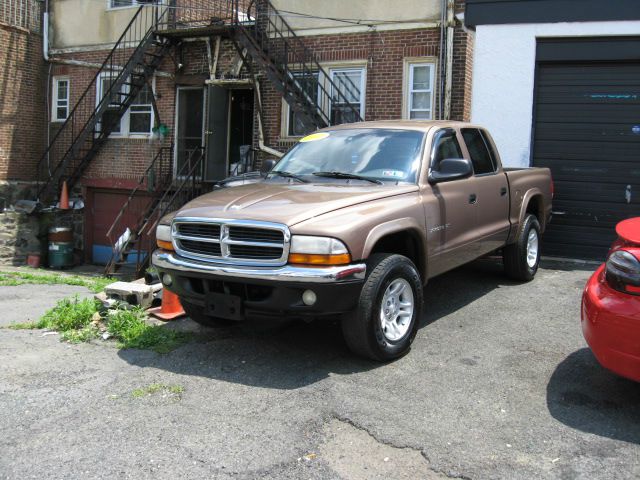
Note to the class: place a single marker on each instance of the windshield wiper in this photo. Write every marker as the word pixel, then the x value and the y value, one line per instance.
pixel 288 175
pixel 352 176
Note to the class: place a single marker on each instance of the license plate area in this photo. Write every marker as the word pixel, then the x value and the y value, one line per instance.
pixel 226 306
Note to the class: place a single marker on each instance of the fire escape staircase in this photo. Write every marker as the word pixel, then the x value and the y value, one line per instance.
pixel 293 69
pixel 129 66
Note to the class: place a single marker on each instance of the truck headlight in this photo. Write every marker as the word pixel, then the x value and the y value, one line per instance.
pixel 163 237
pixel 308 250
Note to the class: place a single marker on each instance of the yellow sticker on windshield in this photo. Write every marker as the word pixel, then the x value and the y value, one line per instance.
pixel 314 137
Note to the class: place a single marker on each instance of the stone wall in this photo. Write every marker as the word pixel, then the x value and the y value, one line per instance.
pixel 22 234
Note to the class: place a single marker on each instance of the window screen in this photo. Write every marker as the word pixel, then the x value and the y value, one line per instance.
pixel 480 156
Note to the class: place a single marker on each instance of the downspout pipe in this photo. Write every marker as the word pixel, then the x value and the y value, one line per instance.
pixel 45 32
pixel 449 60
pixel 261 144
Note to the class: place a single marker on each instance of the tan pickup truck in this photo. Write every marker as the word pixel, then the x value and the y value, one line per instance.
pixel 353 221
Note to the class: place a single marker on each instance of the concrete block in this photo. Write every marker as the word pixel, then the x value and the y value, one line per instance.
pixel 130 292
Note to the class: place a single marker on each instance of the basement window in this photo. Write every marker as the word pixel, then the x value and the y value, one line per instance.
pixel 60 103
pixel 418 102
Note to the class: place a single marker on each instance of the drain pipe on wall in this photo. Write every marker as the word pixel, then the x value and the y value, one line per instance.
pixel 261 144
pixel 449 59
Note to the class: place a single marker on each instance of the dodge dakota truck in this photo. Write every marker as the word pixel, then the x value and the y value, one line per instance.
pixel 353 221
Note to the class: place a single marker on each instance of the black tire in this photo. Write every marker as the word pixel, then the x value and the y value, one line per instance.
pixel 196 313
pixel 514 256
pixel 362 329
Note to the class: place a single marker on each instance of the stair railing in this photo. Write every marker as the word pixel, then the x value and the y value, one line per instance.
pixel 82 120
pixel 299 66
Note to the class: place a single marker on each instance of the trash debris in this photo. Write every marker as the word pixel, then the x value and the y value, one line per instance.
pixel 309 456
pixel 131 292
pixel 46 334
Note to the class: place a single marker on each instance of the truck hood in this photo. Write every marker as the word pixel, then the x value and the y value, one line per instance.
pixel 285 203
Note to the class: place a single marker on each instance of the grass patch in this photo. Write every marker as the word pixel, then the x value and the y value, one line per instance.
pixel 78 321
pixel 23 326
pixel 70 314
pixel 132 331
pixel 176 390
pixel 95 284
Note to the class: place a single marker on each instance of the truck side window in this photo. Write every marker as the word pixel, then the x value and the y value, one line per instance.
pixel 446 146
pixel 480 156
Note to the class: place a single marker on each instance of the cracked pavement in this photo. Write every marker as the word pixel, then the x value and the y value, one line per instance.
pixel 499 384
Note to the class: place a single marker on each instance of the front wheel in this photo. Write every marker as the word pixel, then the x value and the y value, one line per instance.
pixel 389 308
pixel 522 257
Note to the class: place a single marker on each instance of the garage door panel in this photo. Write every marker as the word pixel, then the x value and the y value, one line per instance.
pixel 587 131
pixel 590 173
pixel 588 113
pixel 612 196
pixel 595 132
pixel 587 151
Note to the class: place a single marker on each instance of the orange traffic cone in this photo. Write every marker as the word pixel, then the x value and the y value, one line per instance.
pixel 170 308
pixel 64 197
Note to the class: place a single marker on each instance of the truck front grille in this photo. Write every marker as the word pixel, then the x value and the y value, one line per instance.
pixel 238 242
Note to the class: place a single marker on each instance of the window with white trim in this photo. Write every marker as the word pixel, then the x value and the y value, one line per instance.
pixel 123 3
pixel 139 117
pixel 350 81
pixel 351 84
pixel 309 83
pixel 60 104
pixel 419 91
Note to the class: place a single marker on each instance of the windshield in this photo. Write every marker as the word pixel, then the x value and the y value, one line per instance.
pixel 374 153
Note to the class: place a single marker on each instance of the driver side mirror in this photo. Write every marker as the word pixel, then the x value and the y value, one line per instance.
pixel 451 169
pixel 267 165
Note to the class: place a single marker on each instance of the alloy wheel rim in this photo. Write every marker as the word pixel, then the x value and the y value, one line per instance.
pixel 396 309
pixel 532 248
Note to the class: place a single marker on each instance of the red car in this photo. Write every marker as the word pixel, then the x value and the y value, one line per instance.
pixel 611 305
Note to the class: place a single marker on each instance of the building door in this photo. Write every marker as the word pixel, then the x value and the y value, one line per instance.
pixel 189 128
pixel 587 131
pixel 103 207
pixel 217 166
pixel 240 129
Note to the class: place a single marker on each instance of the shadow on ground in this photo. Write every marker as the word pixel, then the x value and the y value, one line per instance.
pixel 300 354
pixel 583 395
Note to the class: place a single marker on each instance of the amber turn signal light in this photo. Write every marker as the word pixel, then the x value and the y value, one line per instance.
pixel 315 259
pixel 164 245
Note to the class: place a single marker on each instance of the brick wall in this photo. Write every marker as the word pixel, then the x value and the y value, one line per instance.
pixel 384 54
pixel 23 108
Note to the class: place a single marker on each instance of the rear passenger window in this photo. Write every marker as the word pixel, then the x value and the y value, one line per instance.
pixel 446 146
pixel 480 156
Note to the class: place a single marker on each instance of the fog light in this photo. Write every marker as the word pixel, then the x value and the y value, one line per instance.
pixel 309 297
pixel 166 279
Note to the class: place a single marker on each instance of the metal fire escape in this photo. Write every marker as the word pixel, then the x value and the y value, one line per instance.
pixel 266 43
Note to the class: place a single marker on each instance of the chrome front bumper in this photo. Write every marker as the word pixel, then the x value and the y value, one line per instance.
pixel 287 273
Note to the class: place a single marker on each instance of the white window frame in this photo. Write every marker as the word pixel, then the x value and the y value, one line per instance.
pixel 407 98
pixel 125 120
pixel 55 100
pixel 329 70
pixel 110 6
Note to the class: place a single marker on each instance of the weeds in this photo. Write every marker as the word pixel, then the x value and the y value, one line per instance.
pixel 95 284
pixel 70 314
pixel 132 331
pixel 176 390
pixel 79 321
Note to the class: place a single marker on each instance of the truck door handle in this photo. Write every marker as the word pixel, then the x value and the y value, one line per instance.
pixel 503 191
pixel 473 198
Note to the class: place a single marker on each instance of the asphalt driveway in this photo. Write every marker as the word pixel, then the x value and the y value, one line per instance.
pixel 499 384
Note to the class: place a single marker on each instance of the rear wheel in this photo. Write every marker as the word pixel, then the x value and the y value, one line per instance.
pixel 196 313
pixel 522 257
pixel 386 320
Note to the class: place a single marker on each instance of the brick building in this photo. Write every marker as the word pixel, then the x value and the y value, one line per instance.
pixel 206 87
